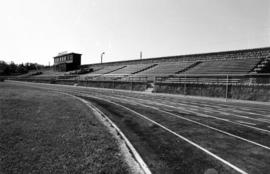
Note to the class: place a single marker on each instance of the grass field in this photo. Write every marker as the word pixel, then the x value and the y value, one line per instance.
pixel 46 132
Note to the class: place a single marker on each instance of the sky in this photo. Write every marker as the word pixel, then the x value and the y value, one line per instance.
pixel 37 30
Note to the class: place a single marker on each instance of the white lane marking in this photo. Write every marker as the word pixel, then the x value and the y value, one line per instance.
pixel 193 109
pixel 248 112
pixel 224 119
pixel 230 108
pixel 178 135
pixel 221 107
pixel 204 115
pixel 246 122
pixel 225 113
pixel 169 110
pixel 201 124
pixel 263 119
pixel 204 109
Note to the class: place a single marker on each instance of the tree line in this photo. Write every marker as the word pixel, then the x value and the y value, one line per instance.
pixel 15 69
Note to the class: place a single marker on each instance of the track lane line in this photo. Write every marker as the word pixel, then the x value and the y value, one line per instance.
pixel 201 124
pixel 246 122
pixel 204 115
pixel 222 112
pixel 176 134
pixel 238 109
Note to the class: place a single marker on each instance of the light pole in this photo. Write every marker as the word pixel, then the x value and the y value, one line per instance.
pixel 101 57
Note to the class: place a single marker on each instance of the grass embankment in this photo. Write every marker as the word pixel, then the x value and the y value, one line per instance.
pixel 42 132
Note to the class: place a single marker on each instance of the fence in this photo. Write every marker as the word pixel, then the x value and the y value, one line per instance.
pixel 255 79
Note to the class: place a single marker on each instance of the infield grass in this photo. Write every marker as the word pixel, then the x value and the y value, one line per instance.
pixel 45 132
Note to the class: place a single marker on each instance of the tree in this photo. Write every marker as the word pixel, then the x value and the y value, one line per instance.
pixel 4 68
pixel 22 69
pixel 13 67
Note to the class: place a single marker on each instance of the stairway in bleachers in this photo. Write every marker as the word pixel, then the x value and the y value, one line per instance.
pixel 147 68
pixel 99 74
pixel 132 69
pixel 124 73
pixel 163 69
pixel 263 66
pixel 189 67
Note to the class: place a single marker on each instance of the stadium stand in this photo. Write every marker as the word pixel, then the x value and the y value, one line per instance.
pixel 231 67
pixel 100 71
pixel 107 70
pixel 194 68
pixel 133 69
pixel 117 72
pixel 226 62
pixel 165 69
pixel 235 66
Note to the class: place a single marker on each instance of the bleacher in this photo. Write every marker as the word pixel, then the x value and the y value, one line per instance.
pixel 168 69
pixel 106 70
pixel 165 69
pixel 205 71
pixel 232 66
pixel 117 72
pixel 195 68
pixel 101 71
pixel 132 69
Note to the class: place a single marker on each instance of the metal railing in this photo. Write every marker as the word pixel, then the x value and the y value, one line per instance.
pixel 244 79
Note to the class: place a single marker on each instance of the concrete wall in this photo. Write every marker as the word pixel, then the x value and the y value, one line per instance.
pixel 126 85
pixel 243 92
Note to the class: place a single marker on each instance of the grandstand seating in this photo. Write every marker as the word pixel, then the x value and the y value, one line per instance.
pixel 106 70
pixel 149 71
pixel 196 68
pixel 132 69
pixel 235 66
pixel 100 71
pixel 215 67
pixel 119 73
pixel 165 69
